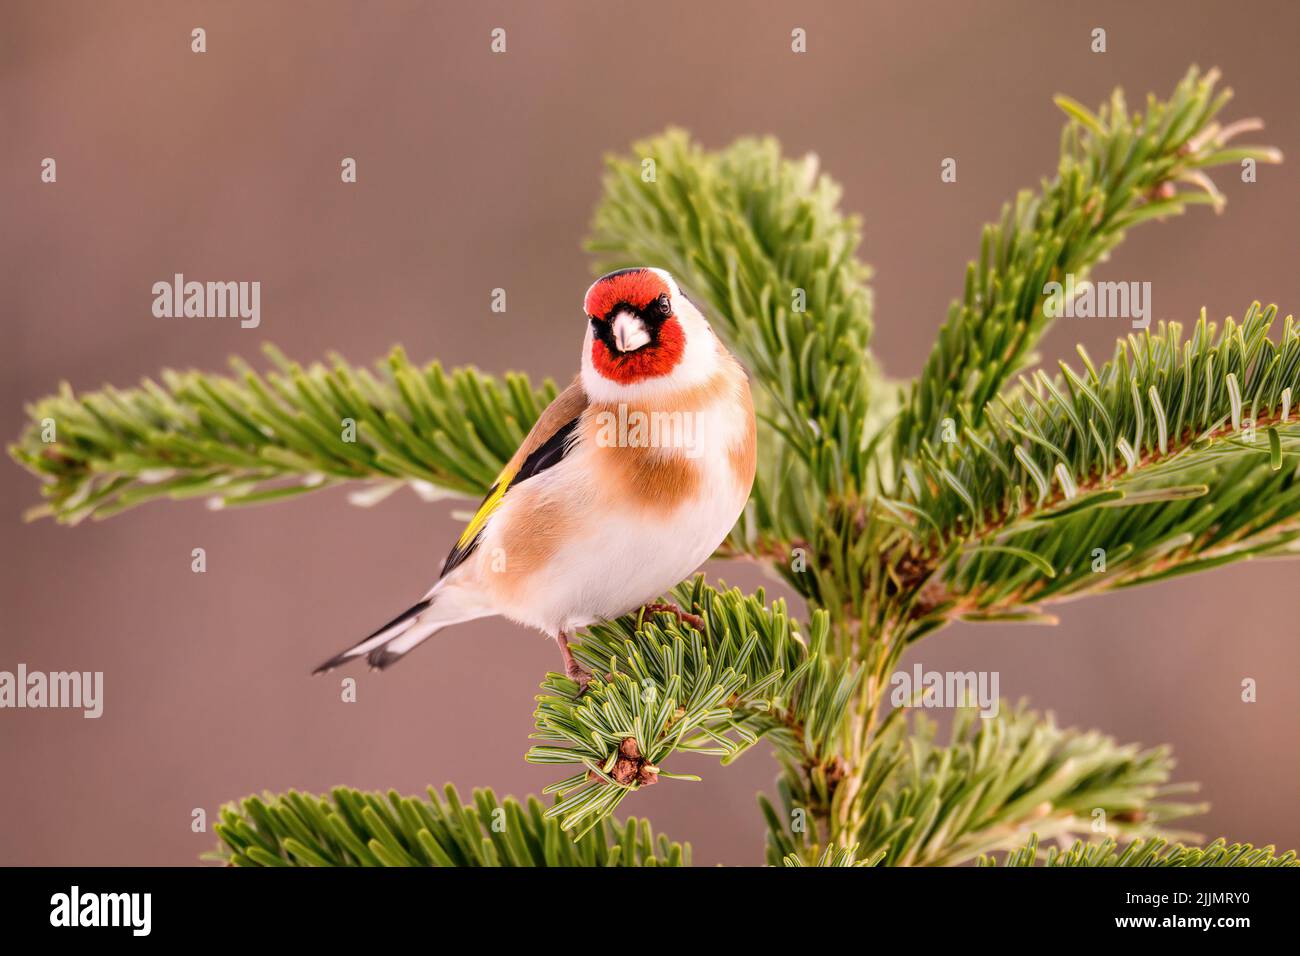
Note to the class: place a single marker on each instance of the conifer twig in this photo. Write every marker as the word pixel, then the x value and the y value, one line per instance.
pixel 250 438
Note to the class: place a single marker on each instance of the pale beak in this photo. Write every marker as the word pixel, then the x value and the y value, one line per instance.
pixel 629 332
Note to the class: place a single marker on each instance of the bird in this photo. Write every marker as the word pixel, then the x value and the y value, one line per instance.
pixel 627 482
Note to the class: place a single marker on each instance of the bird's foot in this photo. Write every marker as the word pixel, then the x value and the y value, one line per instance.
pixel 578 676
pixel 694 620
pixel 571 668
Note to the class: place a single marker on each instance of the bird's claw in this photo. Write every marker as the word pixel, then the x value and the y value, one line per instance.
pixel 694 620
pixel 578 676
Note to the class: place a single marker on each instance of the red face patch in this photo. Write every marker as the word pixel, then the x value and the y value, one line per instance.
pixel 650 361
pixel 637 287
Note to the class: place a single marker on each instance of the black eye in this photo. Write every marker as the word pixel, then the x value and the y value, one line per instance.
pixel 664 306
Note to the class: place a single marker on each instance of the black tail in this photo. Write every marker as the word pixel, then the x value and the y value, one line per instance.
pixel 373 643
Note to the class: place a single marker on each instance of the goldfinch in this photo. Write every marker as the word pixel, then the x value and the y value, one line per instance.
pixel 628 481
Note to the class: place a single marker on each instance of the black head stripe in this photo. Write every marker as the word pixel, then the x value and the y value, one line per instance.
pixel 635 270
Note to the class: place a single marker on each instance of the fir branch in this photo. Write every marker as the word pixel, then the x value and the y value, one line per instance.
pixel 1117 169
pixel 1152 853
pixel 1175 456
pixel 662 687
pixel 352 828
pixel 997 780
pixel 250 438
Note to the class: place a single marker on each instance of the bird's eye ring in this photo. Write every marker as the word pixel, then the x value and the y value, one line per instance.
pixel 664 306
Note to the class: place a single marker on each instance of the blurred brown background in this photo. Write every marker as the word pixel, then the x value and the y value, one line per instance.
pixel 479 171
